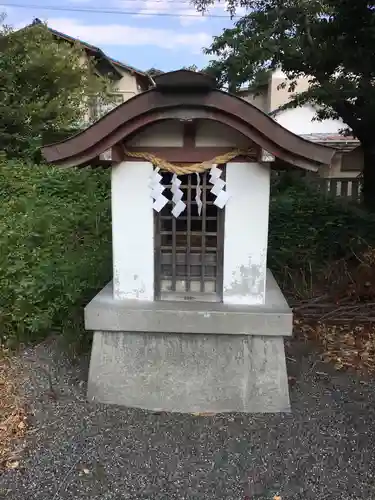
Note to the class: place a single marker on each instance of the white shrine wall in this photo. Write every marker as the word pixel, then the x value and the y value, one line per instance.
pixel 169 133
pixel 246 233
pixel 246 218
pixel 132 231
pixel 210 133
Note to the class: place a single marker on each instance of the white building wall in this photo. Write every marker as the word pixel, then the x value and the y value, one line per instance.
pixel 132 231
pixel 300 121
pixel 246 233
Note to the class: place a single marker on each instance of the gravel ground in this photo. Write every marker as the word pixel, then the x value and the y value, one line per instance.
pixel 76 450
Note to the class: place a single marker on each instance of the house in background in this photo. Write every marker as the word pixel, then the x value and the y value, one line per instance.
pixel 125 80
pixel 270 98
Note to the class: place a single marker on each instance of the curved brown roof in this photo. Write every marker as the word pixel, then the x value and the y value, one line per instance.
pixel 161 103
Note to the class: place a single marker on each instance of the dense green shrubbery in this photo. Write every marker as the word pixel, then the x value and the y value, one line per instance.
pixel 55 242
pixel 55 246
pixel 310 231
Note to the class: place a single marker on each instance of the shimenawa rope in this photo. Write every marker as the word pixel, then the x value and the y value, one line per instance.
pixel 188 168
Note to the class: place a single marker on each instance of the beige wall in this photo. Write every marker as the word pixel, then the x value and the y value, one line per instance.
pixel 259 100
pixel 279 96
pixel 335 170
pixel 272 97
pixel 127 86
pixel 84 58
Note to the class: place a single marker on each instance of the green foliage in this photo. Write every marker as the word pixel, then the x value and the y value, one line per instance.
pixel 192 67
pixel 45 86
pixel 330 42
pixel 308 231
pixel 154 72
pixel 55 241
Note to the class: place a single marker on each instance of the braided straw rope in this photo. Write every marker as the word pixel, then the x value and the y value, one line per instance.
pixel 188 168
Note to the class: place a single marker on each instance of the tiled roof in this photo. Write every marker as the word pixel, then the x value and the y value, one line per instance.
pixel 341 142
pixel 329 137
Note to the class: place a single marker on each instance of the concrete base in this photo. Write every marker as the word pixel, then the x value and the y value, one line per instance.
pixel 189 373
pixel 206 370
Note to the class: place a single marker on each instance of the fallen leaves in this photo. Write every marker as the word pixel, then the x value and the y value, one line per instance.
pixel 13 420
pixel 12 464
pixel 340 317
pixel 347 346
pixel 21 426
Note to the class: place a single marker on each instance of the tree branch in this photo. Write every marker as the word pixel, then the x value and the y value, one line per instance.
pixel 308 31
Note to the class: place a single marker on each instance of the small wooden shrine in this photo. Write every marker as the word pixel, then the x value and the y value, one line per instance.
pixel 193 320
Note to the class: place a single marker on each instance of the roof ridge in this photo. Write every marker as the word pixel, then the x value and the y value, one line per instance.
pixel 92 47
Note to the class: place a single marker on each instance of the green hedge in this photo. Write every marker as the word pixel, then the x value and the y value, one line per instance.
pixel 55 246
pixel 55 242
pixel 307 229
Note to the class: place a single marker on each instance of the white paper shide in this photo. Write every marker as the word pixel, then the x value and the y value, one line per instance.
pixel 179 206
pixel 218 187
pixel 198 196
pixel 157 190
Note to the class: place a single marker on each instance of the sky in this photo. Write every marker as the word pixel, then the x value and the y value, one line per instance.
pixel 138 32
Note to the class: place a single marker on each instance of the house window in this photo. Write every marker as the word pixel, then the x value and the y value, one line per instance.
pixel 189 249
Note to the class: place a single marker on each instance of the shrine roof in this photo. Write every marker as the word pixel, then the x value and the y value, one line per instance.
pixel 194 93
pixel 186 80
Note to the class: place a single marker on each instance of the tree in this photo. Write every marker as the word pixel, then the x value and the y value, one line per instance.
pixel 192 67
pixel 46 86
pixel 329 41
pixel 154 72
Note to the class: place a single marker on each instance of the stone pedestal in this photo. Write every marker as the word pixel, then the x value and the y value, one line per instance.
pixel 189 357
